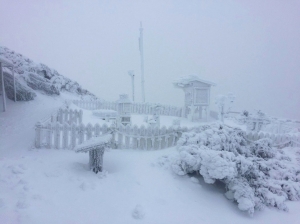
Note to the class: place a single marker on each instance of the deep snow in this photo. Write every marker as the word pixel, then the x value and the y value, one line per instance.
pixel 55 186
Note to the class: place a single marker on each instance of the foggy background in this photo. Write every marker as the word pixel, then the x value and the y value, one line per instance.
pixel 249 48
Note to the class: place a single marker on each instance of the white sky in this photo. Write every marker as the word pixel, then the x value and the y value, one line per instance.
pixel 249 48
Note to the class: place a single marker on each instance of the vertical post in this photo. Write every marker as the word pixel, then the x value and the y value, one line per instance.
pixel 38 127
pixel 15 92
pixel 3 89
pixel 222 113
pixel 131 73
pixel 142 62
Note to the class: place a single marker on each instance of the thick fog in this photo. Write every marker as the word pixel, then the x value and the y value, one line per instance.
pixel 249 48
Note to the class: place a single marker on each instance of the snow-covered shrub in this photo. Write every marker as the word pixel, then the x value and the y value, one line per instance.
pixel 255 174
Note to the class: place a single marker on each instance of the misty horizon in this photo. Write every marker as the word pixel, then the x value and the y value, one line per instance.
pixel 250 49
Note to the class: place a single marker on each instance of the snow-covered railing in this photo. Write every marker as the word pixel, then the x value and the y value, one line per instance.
pixel 64 116
pixel 136 108
pixel 67 116
pixel 95 105
pixel 282 126
pixel 64 136
pixel 145 108
pixel 147 138
pixel 278 140
pixel 56 135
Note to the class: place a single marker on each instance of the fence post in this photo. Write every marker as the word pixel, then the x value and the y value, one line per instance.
pixel 38 129
pixel 65 135
pixel 73 135
pixel 57 136
pixel 49 136
pixel 80 116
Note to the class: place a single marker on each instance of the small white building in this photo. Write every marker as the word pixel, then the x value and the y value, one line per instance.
pixel 124 109
pixel 197 97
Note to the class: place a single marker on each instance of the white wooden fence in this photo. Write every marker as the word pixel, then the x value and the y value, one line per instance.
pixel 67 116
pixel 281 126
pixel 147 138
pixel 278 140
pixel 64 116
pixel 64 136
pixel 136 108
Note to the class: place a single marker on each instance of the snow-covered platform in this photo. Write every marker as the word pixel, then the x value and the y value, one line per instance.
pixel 96 147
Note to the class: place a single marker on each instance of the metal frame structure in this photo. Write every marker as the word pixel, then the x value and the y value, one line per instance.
pixel 6 64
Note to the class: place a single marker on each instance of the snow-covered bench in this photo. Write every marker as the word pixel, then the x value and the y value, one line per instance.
pixel 96 147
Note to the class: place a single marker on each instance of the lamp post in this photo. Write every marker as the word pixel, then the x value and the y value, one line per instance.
pixel 131 73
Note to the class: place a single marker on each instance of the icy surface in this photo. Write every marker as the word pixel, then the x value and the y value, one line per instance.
pixel 56 186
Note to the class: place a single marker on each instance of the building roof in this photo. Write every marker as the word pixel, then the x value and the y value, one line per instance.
pixel 5 62
pixel 183 81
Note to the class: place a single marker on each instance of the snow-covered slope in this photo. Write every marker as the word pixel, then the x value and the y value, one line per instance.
pixel 32 76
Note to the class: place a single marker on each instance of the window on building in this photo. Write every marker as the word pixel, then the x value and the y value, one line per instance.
pixel 201 96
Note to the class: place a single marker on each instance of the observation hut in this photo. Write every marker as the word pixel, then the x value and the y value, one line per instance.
pixel 197 97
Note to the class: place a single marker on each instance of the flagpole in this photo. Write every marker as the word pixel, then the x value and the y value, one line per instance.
pixel 142 62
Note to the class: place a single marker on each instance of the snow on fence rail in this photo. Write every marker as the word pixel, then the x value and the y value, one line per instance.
pixel 64 116
pixel 136 108
pixel 278 140
pixel 56 135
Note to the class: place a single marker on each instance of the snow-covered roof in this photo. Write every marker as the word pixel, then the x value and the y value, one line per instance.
pixel 6 63
pixel 183 81
pixel 94 143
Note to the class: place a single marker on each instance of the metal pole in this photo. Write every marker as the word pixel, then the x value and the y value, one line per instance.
pixel 15 92
pixel 142 62
pixel 131 73
pixel 3 89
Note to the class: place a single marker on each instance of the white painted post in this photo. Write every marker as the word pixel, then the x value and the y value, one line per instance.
pixel 120 140
pixel 49 136
pixel 15 92
pixel 38 128
pixel 3 88
pixel 73 135
pixel 89 131
pixel 131 73
pixel 81 133
pixel 65 135
pixel 80 117
pixel 57 136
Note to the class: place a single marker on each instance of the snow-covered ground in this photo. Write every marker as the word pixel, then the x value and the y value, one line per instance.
pixel 55 186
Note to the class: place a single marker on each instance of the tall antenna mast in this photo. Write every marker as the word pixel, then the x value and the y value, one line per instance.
pixel 142 62
pixel 131 74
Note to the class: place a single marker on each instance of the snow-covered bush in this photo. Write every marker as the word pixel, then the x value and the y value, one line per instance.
pixel 255 174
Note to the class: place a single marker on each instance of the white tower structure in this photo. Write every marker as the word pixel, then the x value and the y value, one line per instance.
pixel 142 61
